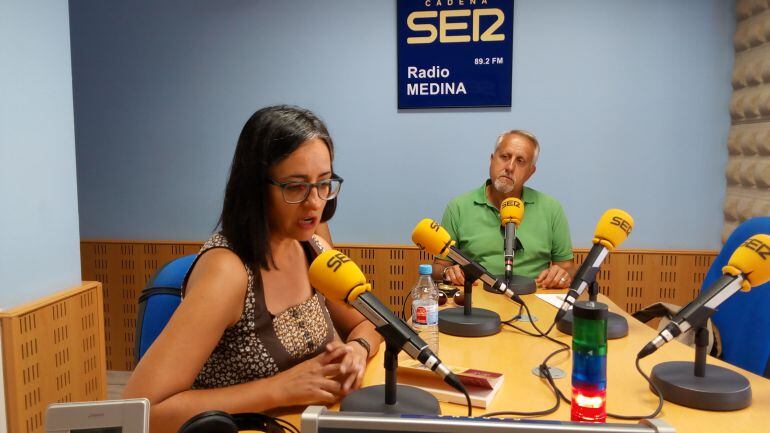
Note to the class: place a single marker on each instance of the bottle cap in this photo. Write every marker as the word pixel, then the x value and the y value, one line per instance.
pixel 425 269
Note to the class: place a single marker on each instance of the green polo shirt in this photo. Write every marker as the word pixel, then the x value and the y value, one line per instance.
pixel 474 224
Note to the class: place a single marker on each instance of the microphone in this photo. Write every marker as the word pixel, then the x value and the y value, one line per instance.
pixel 338 278
pixel 511 213
pixel 611 230
pixel 431 237
pixel 748 267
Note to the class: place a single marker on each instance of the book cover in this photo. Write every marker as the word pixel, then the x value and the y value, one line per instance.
pixel 468 376
pixel 482 386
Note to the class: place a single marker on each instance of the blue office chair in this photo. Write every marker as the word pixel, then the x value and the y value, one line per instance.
pixel 743 320
pixel 158 302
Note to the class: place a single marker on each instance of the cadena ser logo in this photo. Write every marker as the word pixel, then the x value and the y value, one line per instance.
pixel 758 246
pixel 622 224
pixel 336 261
pixel 514 203
pixel 454 53
pixel 455 26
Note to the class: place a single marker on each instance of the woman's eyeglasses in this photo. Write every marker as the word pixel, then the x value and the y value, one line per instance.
pixel 297 192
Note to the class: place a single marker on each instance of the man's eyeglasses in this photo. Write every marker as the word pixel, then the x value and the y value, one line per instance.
pixel 297 192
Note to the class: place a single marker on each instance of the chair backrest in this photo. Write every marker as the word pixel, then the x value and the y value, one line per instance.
pixel 158 302
pixel 742 320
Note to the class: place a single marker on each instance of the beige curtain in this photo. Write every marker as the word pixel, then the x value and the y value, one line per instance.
pixel 748 145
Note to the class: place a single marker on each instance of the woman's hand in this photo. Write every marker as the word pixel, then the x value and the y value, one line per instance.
pixel 352 364
pixel 312 381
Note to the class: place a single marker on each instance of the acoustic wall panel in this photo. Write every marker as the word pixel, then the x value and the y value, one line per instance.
pixel 632 279
pixel 748 145
pixel 53 351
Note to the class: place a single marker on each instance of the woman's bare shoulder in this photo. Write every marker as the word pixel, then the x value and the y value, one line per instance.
pixel 218 276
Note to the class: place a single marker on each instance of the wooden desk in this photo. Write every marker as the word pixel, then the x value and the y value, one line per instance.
pixel 515 354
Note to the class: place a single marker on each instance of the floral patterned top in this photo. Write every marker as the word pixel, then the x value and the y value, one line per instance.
pixel 261 345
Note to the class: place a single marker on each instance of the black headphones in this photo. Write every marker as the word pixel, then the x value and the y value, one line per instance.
pixel 215 421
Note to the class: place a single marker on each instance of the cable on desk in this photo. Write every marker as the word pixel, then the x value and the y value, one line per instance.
pixel 287 426
pixel 468 402
pixel 540 333
pixel 516 317
pixel 455 383
pixel 565 347
pixel 544 371
pixel 656 391
pixel 462 388
pixel 547 374
pixel 551 410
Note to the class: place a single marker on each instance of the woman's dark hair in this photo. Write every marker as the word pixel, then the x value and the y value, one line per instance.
pixel 269 136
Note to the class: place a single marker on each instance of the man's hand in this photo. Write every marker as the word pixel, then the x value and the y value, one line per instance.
pixel 453 275
pixel 555 277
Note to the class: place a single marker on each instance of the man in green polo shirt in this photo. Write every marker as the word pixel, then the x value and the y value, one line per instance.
pixel 473 220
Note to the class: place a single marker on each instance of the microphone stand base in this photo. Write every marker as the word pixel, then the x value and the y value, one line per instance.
pixel 617 325
pixel 719 390
pixel 479 323
pixel 519 284
pixel 372 399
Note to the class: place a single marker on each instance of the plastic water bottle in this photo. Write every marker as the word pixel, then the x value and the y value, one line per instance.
pixel 425 308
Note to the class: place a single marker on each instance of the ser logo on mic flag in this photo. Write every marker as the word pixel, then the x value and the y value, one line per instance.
pixel 336 260
pixel 454 53
pixel 758 246
pixel 514 203
pixel 623 224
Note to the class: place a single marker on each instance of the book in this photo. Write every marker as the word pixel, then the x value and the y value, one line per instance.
pixel 468 376
pixel 482 386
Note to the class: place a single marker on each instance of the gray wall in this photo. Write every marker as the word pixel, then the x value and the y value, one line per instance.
pixel 629 100
pixel 39 251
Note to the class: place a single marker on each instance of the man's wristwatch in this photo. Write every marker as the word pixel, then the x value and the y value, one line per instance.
pixel 443 274
pixel 364 344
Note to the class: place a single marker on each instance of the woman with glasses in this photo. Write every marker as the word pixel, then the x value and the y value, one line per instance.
pixel 251 334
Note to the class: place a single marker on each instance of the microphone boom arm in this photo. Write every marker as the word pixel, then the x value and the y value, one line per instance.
pixel 695 313
pixel 398 334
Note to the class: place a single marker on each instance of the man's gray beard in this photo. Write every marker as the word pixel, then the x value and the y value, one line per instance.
pixel 503 187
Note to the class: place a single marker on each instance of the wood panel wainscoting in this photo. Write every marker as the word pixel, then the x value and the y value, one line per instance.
pixel 631 278
pixel 53 351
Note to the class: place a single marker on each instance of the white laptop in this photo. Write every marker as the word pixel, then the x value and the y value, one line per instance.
pixel 107 416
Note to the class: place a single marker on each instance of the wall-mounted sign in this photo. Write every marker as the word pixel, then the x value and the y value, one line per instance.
pixel 454 53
